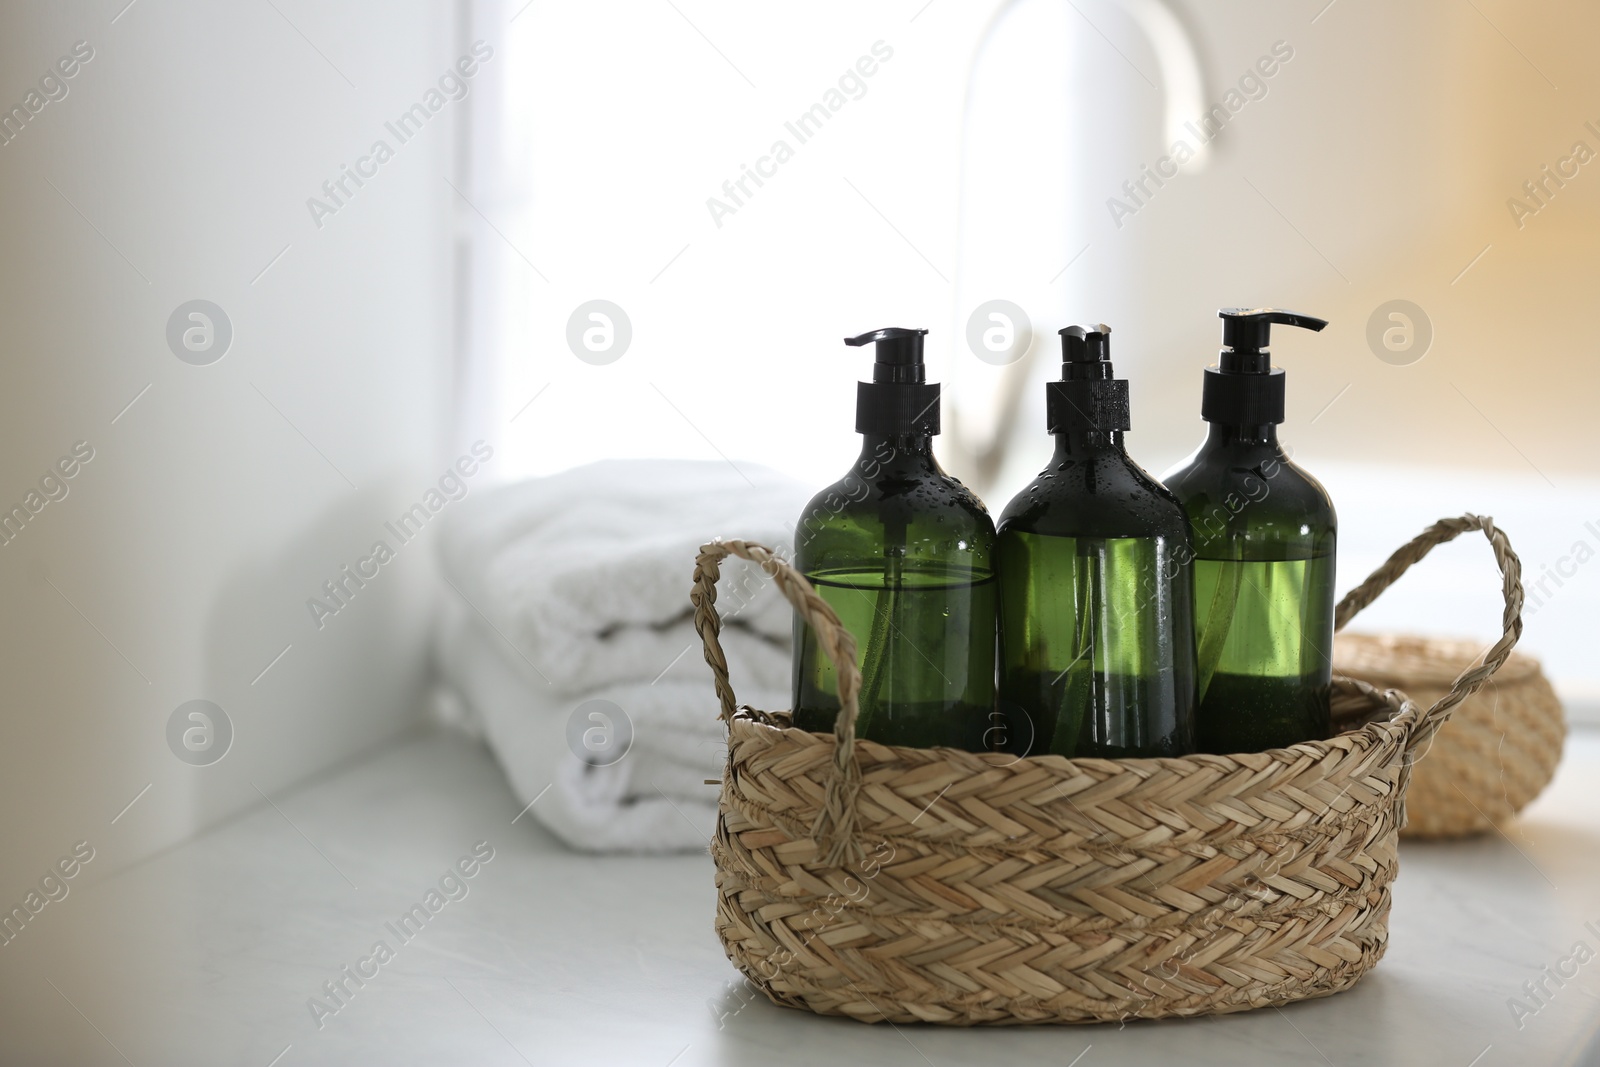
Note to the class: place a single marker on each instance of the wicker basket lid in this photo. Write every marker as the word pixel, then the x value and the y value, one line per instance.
pixel 1400 660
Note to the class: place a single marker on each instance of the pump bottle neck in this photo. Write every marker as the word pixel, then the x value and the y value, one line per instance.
pixel 1227 435
pixel 896 452
pixel 1086 442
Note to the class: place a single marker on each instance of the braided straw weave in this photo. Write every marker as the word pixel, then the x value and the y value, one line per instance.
pixel 1501 747
pixel 933 885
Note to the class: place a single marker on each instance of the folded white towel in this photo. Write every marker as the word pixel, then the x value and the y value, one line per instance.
pixel 587 572
pixel 651 800
pixel 575 588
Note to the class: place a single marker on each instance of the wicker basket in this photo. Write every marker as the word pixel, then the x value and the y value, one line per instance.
pixel 1502 744
pixel 933 885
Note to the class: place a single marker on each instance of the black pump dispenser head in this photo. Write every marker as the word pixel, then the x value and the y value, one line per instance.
pixel 1087 397
pixel 899 401
pixel 1244 388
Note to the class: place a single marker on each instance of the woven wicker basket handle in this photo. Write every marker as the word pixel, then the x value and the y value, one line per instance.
pixel 1423 726
pixel 836 822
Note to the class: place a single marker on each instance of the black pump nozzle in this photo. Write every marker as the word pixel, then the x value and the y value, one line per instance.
pixel 1247 333
pixel 1086 352
pixel 898 401
pixel 1087 397
pixel 1244 389
pixel 899 353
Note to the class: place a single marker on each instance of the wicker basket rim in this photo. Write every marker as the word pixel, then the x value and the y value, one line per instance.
pixel 1406 659
pixel 1392 702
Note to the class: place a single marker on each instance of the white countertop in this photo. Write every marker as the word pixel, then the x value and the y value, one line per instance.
pixel 209 953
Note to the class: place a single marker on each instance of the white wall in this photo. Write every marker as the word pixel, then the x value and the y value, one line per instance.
pixel 1383 153
pixel 179 563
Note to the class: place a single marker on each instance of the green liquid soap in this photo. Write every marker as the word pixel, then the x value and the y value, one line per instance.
pixel 1265 630
pixel 1098 646
pixel 929 670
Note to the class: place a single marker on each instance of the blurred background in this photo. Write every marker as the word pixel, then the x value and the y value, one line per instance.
pixel 255 338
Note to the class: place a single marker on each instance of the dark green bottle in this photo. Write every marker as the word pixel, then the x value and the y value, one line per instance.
pixel 904 553
pixel 1096 606
pixel 1264 534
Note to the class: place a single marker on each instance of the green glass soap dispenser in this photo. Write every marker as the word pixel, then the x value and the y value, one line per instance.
pixel 1096 630
pixel 1264 535
pixel 903 553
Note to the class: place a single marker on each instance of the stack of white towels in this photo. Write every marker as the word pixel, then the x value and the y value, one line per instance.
pixel 574 589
